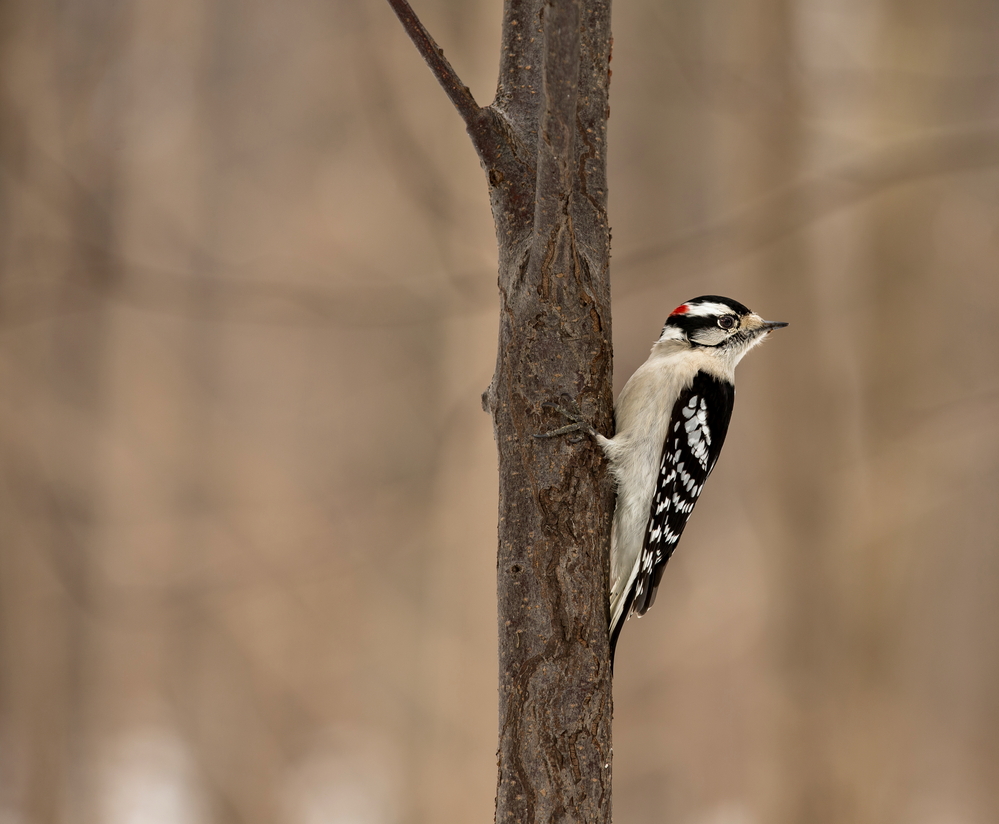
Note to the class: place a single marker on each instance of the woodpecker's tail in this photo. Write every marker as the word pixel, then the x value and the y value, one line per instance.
pixel 615 629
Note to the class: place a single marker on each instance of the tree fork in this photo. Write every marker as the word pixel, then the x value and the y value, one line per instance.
pixel 542 144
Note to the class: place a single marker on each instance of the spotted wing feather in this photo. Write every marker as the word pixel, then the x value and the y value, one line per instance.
pixel 697 430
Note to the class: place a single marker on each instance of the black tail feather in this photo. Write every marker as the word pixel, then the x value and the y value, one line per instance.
pixel 615 631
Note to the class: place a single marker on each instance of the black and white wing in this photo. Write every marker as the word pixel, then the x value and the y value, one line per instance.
pixel 697 430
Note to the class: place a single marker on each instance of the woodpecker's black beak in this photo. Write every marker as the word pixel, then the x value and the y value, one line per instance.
pixel 769 325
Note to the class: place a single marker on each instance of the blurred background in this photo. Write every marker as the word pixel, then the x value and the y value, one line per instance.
pixel 247 491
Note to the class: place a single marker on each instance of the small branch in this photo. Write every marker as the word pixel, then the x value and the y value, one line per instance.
pixel 433 54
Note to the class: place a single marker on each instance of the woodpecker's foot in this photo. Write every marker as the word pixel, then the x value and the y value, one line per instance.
pixel 573 413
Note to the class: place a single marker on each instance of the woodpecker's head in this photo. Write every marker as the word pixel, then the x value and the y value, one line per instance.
pixel 722 324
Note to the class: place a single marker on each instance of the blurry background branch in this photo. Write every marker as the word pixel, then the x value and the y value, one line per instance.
pixel 375 301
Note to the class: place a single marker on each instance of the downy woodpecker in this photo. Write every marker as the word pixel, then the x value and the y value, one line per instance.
pixel 671 420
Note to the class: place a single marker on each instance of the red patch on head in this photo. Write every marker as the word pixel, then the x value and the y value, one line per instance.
pixel 680 310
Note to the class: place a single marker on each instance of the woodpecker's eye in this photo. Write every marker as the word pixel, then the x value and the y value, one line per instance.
pixel 726 321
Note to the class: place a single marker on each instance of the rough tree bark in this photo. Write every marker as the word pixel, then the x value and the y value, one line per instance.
pixel 542 144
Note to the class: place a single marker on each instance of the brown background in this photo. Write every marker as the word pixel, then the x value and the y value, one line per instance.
pixel 247 492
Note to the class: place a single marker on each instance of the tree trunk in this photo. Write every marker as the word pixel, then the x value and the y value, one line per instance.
pixel 542 143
